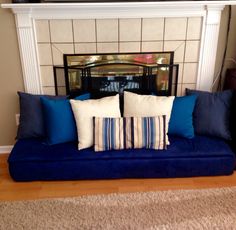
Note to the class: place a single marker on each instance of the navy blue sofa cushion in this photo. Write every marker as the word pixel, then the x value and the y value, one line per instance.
pixel 233 122
pixel 211 114
pixel 201 156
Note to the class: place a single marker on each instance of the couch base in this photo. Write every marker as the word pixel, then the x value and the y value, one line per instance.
pixel 32 160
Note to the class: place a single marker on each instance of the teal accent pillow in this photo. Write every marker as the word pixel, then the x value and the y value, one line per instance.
pixel 59 120
pixel 181 120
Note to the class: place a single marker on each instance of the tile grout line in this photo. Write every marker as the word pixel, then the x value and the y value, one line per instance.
pixel 50 37
pixel 73 34
pixel 96 39
pixel 118 35
pixel 196 40
pixel 164 32
pixel 141 41
pixel 186 32
pixel 50 42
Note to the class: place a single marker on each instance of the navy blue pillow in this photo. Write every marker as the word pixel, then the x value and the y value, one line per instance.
pixel 59 120
pixel 31 115
pixel 181 120
pixel 211 115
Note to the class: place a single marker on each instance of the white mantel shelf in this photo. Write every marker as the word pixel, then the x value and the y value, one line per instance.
pixel 114 9
pixel 117 4
pixel 26 14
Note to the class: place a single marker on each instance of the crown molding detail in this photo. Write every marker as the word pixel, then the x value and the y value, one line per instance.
pixel 26 14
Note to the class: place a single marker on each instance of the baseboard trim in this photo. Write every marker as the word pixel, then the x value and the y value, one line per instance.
pixel 6 149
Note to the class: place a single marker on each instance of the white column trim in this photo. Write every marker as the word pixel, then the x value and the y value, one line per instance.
pixel 208 49
pixel 28 53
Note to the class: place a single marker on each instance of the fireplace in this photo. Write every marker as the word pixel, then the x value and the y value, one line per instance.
pixel 47 32
pixel 126 35
pixel 116 72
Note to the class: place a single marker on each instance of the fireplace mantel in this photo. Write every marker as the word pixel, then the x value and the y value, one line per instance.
pixel 117 9
pixel 26 14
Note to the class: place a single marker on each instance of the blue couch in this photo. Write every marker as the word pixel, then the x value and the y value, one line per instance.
pixel 32 160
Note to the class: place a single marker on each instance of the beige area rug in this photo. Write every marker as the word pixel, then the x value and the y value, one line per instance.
pixel 182 209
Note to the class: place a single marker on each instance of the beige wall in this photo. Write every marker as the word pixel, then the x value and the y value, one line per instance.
pixel 231 50
pixel 10 77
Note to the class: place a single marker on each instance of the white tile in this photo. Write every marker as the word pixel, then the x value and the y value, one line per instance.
pixel 192 51
pixel 129 47
pixel 173 90
pixel 194 28
pixel 84 30
pixel 130 30
pixel 187 86
pixel 47 75
pixel 61 91
pixel 179 90
pixel 190 73
pixel 58 50
pixel 180 77
pixel 61 30
pixel 175 28
pixel 107 30
pixel 45 54
pixel 178 48
pixel 83 48
pixel 60 74
pixel 42 30
pixel 107 47
pixel 152 46
pixel 152 29
pixel 49 90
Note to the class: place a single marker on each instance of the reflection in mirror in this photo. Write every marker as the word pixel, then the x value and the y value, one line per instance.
pixel 140 72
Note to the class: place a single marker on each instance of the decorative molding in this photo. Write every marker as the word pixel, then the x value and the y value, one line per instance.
pixel 115 9
pixel 29 58
pixel 208 52
pixel 107 10
pixel 27 13
pixel 6 149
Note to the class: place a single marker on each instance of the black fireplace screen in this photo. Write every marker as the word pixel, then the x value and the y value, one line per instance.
pixel 114 73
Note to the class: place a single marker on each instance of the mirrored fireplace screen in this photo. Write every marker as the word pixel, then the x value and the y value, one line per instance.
pixel 114 73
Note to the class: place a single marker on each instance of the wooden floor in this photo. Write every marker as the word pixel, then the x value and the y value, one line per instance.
pixel 10 190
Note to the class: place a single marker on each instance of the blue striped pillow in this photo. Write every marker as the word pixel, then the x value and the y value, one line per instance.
pixel 129 133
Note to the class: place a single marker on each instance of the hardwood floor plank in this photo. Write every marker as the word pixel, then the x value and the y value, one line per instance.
pixel 10 190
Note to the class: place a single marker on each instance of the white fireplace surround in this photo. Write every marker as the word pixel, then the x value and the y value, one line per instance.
pixel 26 14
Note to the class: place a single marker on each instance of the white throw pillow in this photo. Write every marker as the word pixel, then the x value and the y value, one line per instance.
pixel 84 111
pixel 148 106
